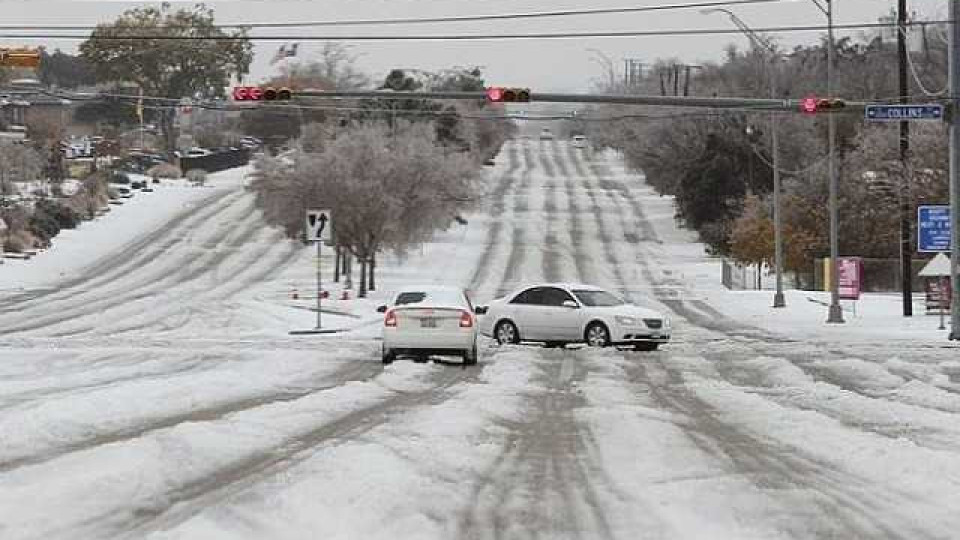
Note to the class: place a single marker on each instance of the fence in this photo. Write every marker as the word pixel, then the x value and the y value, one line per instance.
pixel 879 275
pixel 738 277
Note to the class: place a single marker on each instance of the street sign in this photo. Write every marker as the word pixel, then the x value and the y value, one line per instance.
pixel 933 228
pixel 896 113
pixel 318 225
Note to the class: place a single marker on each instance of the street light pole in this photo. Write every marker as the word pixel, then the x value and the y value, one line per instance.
pixel 836 313
pixel 779 300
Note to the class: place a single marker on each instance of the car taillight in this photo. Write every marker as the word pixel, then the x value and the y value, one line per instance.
pixel 466 320
pixel 390 320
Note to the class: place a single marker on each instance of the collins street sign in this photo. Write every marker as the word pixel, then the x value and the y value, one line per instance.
pixel 897 113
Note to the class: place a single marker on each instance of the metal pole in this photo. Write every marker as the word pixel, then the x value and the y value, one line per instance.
pixel 779 300
pixel 319 287
pixel 954 74
pixel 836 313
pixel 906 263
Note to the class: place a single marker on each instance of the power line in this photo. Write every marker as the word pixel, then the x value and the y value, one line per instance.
pixel 463 37
pixel 434 20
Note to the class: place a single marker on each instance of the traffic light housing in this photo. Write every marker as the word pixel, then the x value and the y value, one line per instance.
pixel 813 105
pixel 257 93
pixel 500 94
pixel 20 58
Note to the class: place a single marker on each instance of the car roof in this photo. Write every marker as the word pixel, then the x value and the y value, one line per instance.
pixel 429 288
pixel 562 285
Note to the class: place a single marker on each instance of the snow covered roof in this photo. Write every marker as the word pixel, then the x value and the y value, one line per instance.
pixel 938 266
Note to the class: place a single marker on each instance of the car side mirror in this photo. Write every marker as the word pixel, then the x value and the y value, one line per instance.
pixel 570 304
pixel 382 309
pixel 480 310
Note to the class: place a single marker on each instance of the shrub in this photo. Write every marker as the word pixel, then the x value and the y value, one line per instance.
pixel 164 170
pixel 17 242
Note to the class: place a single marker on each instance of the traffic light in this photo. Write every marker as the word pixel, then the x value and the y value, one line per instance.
pixel 813 105
pixel 19 58
pixel 499 94
pixel 256 93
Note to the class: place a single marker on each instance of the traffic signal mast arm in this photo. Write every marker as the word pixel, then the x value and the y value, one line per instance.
pixel 791 105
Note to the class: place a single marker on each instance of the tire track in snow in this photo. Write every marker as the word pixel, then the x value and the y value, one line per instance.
pixel 130 256
pixel 511 275
pixel 551 242
pixel 837 503
pixel 146 282
pixel 182 502
pixel 350 372
pixel 543 484
pixel 482 272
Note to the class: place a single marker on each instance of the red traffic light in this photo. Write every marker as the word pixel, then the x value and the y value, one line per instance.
pixel 495 94
pixel 255 93
pixel 499 94
pixel 811 105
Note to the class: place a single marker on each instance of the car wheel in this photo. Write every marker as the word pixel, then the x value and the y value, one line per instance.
pixel 646 346
pixel 387 356
pixel 597 335
pixel 507 332
pixel 470 357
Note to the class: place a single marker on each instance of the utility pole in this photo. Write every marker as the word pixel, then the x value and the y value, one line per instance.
pixel 954 74
pixel 836 313
pixel 906 262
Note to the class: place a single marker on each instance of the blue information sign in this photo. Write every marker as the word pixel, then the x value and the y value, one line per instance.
pixel 896 113
pixel 933 228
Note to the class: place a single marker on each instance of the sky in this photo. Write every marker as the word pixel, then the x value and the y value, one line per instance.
pixel 559 65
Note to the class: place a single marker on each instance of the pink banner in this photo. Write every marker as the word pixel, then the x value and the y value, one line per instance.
pixel 849 277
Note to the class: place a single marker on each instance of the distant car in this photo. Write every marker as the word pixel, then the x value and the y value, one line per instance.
pixel 489 163
pixel 579 141
pixel 429 320
pixel 561 313
pixel 546 134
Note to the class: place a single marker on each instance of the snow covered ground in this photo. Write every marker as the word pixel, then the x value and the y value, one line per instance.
pixel 153 391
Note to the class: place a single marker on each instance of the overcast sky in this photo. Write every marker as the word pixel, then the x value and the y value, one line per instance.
pixel 544 65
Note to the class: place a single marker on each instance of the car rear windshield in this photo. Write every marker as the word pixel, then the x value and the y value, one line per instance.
pixel 597 298
pixel 430 297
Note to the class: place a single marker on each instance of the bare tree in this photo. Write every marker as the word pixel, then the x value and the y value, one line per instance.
pixel 386 192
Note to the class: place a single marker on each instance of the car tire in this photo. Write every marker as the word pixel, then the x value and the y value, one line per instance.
pixel 387 356
pixel 506 332
pixel 597 335
pixel 470 357
pixel 646 346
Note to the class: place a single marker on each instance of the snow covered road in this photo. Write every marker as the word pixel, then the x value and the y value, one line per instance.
pixel 156 394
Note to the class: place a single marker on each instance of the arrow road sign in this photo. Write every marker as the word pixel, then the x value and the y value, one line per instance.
pixel 318 225
pixel 896 113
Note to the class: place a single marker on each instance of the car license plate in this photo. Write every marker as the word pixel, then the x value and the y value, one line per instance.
pixel 428 322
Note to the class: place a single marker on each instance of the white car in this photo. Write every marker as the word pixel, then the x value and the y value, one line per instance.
pixel 546 134
pixel 579 141
pixel 430 320
pixel 561 313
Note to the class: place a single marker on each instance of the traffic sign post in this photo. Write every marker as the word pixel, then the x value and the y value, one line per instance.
pixel 899 113
pixel 933 228
pixel 318 230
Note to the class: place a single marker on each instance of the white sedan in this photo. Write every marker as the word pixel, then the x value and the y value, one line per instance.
pixel 561 313
pixel 429 320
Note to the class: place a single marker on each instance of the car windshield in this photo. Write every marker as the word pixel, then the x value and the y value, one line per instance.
pixel 428 297
pixel 597 298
